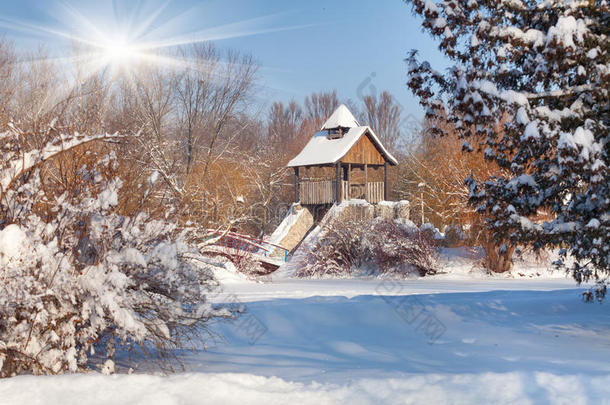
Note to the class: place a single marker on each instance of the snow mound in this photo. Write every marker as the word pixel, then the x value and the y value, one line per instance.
pixel 224 270
pixel 12 243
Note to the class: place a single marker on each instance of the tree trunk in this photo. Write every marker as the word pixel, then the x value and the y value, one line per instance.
pixel 498 255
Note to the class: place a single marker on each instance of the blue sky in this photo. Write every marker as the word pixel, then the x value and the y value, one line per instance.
pixel 354 46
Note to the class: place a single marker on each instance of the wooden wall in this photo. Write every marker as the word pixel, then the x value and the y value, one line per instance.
pixel 364 152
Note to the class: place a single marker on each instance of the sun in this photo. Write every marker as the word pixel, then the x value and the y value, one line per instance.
pixel 119 53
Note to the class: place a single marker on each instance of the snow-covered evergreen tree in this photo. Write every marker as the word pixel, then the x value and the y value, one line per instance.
pixel 530 84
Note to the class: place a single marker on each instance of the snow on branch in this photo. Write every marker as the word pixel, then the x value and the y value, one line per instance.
pixel 18 163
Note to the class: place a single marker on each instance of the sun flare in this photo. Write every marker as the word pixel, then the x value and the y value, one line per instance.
pixel 117 53
pixel 124 41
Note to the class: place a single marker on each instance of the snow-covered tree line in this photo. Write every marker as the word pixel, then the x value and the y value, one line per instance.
pixel 529 87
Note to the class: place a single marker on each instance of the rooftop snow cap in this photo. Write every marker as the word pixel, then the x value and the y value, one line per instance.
pixel 323 149
pixel 341 118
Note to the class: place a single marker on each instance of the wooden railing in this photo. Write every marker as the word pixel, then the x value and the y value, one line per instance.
pixel 317 192
pixel 374 192
pixel 325 192
pixel 345 194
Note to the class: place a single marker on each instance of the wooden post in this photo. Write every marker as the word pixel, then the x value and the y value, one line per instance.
pixel 349 179
pixel 386 191
pixel 339 195
pixel 296 185
pixel 366 182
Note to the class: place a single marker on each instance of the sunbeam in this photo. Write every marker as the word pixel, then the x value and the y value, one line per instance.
pixel 122 41
pixel 147 36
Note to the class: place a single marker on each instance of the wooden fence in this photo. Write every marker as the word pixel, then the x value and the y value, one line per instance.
pixel 317 192
pixel 325 192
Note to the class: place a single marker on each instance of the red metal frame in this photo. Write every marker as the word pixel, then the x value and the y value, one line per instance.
pixel 246 243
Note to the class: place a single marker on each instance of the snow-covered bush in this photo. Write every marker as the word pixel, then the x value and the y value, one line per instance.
pixel 338 253
pixel 529 88
pixel 384 247
pixel 77 278
pixel 432 232
pixel 398 249
pixel 248 265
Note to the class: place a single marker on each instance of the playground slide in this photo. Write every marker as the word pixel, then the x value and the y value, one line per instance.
pixel 294 227
pixel 288 269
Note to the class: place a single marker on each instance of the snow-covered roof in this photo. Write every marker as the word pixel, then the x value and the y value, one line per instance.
pixel 321 150
pixel 341 118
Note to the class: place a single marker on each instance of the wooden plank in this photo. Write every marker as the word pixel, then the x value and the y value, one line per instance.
pixel 375 191
pixel 366 182
pixel 296 184
pixel 322 192
pixel 385 182
pixel 339 191
pixel 364 152
pixel 349 174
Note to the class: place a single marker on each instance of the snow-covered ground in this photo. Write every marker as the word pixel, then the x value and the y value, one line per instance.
pixel 458 338
pixel 245 389
pixel 338 339
pixel 298 289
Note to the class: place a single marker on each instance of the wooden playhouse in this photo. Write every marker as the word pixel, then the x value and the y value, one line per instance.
pixel 341 162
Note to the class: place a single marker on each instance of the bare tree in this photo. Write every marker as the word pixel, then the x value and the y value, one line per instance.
pixel 267 178
pixel 150 100
pixel 231 95
pixel 433 169
pixel 36 98
pixel 209 92
pixel 8 82
pixel 320 106
pixel 190 120
pixel 284 123
pixel 383 115
pixel 194 95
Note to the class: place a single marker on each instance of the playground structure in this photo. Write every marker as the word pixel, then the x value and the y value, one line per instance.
pixel 341 173
pixel 341 162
